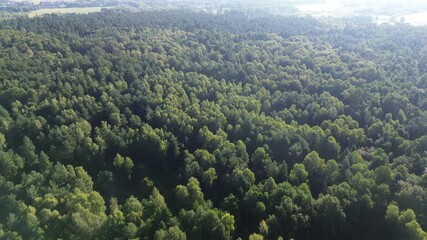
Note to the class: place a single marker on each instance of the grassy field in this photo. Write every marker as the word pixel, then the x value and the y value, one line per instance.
pixel 64 10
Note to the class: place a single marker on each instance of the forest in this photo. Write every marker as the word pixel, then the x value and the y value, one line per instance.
pixel 174 125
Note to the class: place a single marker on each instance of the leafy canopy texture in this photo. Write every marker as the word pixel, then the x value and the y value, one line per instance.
pixel 181 125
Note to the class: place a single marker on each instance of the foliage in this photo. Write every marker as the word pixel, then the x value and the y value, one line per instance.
pixel 183 125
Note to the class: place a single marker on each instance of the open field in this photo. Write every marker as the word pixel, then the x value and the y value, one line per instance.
pixel 414 12
pixel 64 11
pixel 416 19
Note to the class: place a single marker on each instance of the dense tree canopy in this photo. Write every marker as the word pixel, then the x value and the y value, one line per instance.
pixel 181 125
